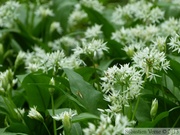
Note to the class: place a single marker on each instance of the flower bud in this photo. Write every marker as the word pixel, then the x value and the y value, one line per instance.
pixel 67 123
pixel 1 50
pixel 19 59
pixel 52 82
pixel 154 108
pixel 34 114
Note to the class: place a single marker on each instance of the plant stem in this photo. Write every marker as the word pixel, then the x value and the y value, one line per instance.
pixel 134 113
pixel 53 112
pixel 176 122
pixel 46 128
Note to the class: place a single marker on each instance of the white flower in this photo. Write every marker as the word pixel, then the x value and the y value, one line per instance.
pixel 170 27
pixel 6 80
pixel 55 26
pixel 94 31
pixel 175 43
pixel 20 112
pixel 149 61
pixel 19 59
pixel 113 124
pixel 44 11
pixel 160 43
pixel 95 4
pixel 61 116
pixel 8 12
pixel 34 114
pixel 76 16
pixel 154 16
pixel 63 42
pixel 94 48
pixel 120 85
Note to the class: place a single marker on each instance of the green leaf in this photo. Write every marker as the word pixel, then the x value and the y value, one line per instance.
pixel 86 72
pixel 60 6
pixel 98 18
pixel 142 113
pixel 17 128
pixel 84 92
pixel 36 89
pixel 115 49
pixel 76 129
pixel 153 123
pixel 84 116
pixel 7 107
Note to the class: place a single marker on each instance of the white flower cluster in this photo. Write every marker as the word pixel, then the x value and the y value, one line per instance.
pixel 55 26
pixel 170 27
pixel 121 84
pixel 149 61
pixel 65 41
pixel 136 34
pixel 34 114
pixel 95 4
pixel 6 80
pixel 94 31
pixel 44 11
pixel 76 16
pixel 138 10
pixel 109 124
pixel 175 43
pixel 40 60
pixel 8 13
pixel 94 48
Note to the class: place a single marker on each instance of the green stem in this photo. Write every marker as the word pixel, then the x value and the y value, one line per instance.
pixel 46 128
pixel 137 103
pixel 164 78
pixel 176 122
pixel 53 112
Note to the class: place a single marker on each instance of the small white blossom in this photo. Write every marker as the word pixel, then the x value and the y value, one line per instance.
pixel 8 12
pixel 149 61
pixel 170 27
pixel 160 43
pixel 95 4
pixel 175 43
pixel 113 124
pixel 138 10
pixel 55 26
pixel 44 11
pixel 93 32
pixel 120 85
pixel 20 112
pixel 93 48
pixel 34 114
pixel 61 116
pixel 76 16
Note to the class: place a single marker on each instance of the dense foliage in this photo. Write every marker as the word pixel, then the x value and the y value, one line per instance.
pixel 88 67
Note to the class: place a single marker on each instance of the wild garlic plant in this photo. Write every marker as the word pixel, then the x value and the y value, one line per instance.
pixel 92 67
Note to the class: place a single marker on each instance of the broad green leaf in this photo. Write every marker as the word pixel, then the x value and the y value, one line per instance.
pixel 60 6
pixel 116 49
pixel 98 18
pixel 149 124
pixel 104 64
pixel 18 128
pixel 84 116
pixel 84 92
pixel 37 93
pixel 86 72
pixel 142 113
pixel 7 107
pixel 76 129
